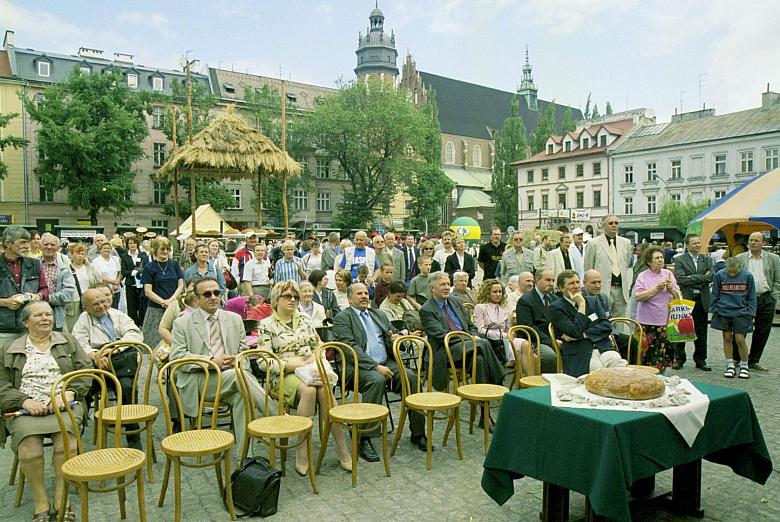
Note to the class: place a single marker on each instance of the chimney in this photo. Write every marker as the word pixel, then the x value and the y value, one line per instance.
pixel 8 41
pixel 123 57
pixel 769 98
pixel 86 52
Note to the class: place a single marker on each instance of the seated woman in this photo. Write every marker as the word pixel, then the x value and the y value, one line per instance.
pixel 343 280
pixel 315 311
pixel 291 336
pixel 493 322
pixel 30 366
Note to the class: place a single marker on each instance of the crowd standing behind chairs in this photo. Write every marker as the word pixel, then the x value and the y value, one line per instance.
pixel 366 295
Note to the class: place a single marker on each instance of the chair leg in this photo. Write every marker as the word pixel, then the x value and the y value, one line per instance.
pixel 387 402
pixel 429 434
pixel 486 427
pixel 139 478
pixel 399 429
pixel 450 423
pixel 14 466
pixel 472 417
pixel 355 437
pixel 311 459
pixel 272 452
pixel 120 481
pixel 64 501
pixel 384 446
pixel 457 434
pixel 218 472
pixel 83 494
pixel 283 454
pixel 323 445
pixel 20 489
pixel 150 449
pixel 177 486
pixel 229 486
pixel 166 475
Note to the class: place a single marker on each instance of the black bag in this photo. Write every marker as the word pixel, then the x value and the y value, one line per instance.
pixel 256 487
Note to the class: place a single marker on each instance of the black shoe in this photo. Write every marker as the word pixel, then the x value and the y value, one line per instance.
pixel 678 365
pixel 703 366
pixel 367 451
pixel 491 424
pixel 757 367
pixel 135 444
pixel 421 441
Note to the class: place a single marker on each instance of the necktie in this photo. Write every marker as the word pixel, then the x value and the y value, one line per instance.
pixel 613 256
pixel 695 262
pixel 373 345
pixel 547 301
pixel 410 257
pixel 215 336
pixel 450 322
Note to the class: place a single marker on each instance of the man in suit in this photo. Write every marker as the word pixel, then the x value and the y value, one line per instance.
pixel 368 331
pixel 585 328
pixel 441 315
pixel 399 259
pixel 533 310
pixel 461 261
pixel 765 267
pixel 558 259
pixel 694 272
pixel 411 253
pixel 591 286
pixel 212 333
pixel 610 254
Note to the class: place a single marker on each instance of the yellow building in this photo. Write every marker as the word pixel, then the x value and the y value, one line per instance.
pixel 12 189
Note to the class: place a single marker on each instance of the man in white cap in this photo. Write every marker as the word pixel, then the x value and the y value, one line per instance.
pixel 577 252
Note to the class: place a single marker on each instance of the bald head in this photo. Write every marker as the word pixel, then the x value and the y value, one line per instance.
pixel 95 302
pixel 592 282
pixel 525 281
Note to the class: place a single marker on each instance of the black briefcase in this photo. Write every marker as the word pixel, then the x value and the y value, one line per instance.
pixel 256 487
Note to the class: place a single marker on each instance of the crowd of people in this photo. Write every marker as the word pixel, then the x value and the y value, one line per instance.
pixel 60 304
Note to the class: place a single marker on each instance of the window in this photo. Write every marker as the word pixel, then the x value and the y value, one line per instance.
pixel 301 200
pixel 651 205
pixel 157 83
pixel 158 153
pixel 45 194
pixel 676 166
pixel 39 99
pixel 161 223
pixel 550 148
pixel 603 140
pixel 84 69
pixel 580 199
pixel 652 171
pixel 530 176
pixel 158 117
pixel 236 193
pixel 719 194
pixel 44 69
pixel 545 175
pixel 771 160
pixel 628 173
pixel 304 164
pixel 596 198
pixel 562 172
pixel 449 152
pixel 323 168
pixel 580 170
pixel 720 165
pixel 545 201
pixel 323 201
pixel 628 205
pixel 746 161
pixel 530 202
pixel 561 200
pixel 160 192
pixel 132 80
pixel 476 156
pixel 597 168
pixel 585 143
pixel 567 146
pixel 676 197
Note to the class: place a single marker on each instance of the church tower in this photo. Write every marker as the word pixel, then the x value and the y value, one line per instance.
pixel 527 88
pixel 376 53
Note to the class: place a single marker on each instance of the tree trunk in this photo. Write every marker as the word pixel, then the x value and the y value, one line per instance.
pixel 93 220
pixel 192 202
pixel 259 201
pixel 284 206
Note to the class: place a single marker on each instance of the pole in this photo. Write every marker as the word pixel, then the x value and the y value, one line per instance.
pixel 189 140
pixel 284 177
pixel 176 211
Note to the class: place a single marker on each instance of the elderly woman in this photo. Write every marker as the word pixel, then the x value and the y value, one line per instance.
pixel 460 288
pixel 30 365
pixel 187 255
pixel 163 283
pixel 343 280
pixel 291 335
pixel 315 311
pixel 655 287
pixel 493 320
pixel 110 270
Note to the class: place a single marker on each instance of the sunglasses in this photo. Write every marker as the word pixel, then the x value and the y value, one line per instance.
pixel 211 293
pixel 289 297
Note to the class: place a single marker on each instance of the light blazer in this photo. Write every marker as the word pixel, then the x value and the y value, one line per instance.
pixel 554 260
pixel 578 260
pixel 771 270
pixel 436 327
pixel 62 292
pixel 91 336
pixel 692 277
pixel 399 265
pixel 348 329
pixel 597 258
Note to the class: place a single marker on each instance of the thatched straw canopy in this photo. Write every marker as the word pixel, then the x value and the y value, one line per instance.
pixel 228 148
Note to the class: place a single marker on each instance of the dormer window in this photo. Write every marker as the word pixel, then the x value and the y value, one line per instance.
pixel 550 148
pixel 84 69
pixel 44 69
pixel 229 88
pixel 132 80
pixel 567 146
pixel 585 143
pixel 603 140
pixel 291 97
pixel 157 83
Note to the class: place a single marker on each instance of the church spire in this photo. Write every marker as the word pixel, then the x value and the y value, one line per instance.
pixel 376 52
pixel 527 88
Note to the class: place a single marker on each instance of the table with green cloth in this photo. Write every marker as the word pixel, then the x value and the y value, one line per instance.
pixel 601 453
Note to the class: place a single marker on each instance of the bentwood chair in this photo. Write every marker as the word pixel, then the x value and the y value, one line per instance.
pixel 528 371
pixel 464 382
pixel 273 430
pixel 426 402
pixel 469 307
pixel 207 446
pixel 636 336
pixel 557 348
pixel 353 414
pixel 103 463
pixel 143 414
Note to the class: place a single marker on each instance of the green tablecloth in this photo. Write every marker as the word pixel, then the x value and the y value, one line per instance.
pixel 600 453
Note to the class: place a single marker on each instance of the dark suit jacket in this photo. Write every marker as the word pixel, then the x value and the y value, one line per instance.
pixel 414 271
pixel 328 301
pixel 469 265
pixel 348 329
pixel 530 311
pixel 436 327
pixel 588 334
pixel 126 263
pixel 692 277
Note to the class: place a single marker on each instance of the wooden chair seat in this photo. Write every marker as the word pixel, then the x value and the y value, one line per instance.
pixel 533 381
pixel 432 401
pixel 651 369
pixel 482 392
pixel 358 412
pixel 103 464
pixel 131 413
pixel 278 426
pixel 197 443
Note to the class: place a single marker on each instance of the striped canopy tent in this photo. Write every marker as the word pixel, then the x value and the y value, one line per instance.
pixel 752 207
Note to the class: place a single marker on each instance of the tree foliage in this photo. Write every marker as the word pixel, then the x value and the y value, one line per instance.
pixel 568 124
pixel 511 145
pixel 545 127
pixel 586 111
pixel 595 112
pixel 90 132
pixel 678 214
pixel 6 142
pixel 378 137
pixel 608 109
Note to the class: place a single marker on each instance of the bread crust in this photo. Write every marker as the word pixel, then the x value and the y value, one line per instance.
pixel 625 383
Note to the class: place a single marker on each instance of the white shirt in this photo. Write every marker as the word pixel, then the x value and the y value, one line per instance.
pixel 756 267
pixel 257 271
pixel 108 268
pixel 441 256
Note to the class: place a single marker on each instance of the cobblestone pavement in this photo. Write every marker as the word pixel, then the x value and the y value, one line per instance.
pixel 451 490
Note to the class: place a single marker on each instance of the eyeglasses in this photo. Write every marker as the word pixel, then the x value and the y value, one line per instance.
pixel 211 293
pixel 289 297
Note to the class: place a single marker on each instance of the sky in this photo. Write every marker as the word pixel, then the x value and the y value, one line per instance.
pixel 663 55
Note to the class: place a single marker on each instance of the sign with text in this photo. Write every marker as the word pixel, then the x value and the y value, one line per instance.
pixel 580 215
pixel 6 219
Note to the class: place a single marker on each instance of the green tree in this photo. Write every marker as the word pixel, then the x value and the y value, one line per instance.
pixel 376 134
pixel 595 113
pixel 586 111
pixel 545 128
pixel 567 125
pixel 608 110
pixel 511 146
pixel 90 132
pixel 678 214
pixel 6 142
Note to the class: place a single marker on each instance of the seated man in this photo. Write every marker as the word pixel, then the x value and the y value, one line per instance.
pixel 585 328
pixel 212 333
pixel 591 286
pixel 533 309
pixel 368 331
pixel 99 325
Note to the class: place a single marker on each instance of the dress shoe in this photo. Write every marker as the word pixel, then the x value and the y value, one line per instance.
pixel 367 451
pixel 678 365
pixel 703 366
pixel 135 444
pixel 421 441
pixel 757 367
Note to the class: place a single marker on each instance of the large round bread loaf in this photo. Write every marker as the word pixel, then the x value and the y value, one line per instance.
pixel 625 383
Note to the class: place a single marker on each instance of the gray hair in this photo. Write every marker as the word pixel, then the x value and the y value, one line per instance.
pixel 333 237
pixel 435 277
pixel 351 287
pixel 459 275
pixel 49 235
pixel 27 310
pixel 14 232
pixel 514 279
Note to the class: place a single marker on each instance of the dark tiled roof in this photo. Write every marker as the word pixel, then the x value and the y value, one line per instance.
pixel 467 109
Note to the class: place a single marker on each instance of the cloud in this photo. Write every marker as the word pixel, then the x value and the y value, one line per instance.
pixel 41 27
pixel 325 11
pixel 568 16
pixel 451 17
pixel 155 21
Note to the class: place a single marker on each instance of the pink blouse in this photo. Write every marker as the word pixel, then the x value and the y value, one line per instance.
pixel 492 320
pixel 654 311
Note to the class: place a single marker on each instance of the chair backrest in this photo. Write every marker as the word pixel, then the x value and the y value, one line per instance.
pixel 534 341
pixel 461 376
pixel 210 370
pixel 557 348
pixel 269 363
pixel 141 350
pixel 342 354
pixel 469 309
pixel 424 354
pixel 636 336
pixel 58 389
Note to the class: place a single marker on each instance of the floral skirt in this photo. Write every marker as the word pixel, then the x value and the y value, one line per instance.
pixel 658 352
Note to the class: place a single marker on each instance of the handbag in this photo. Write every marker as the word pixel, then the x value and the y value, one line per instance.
pixel 230 281
pixel 256 487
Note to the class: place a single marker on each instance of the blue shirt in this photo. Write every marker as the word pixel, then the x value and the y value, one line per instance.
pixel 451 312
pixel 164 278
pixel 358 259
pixel 374 345
pixel 108 325
pixel 287 271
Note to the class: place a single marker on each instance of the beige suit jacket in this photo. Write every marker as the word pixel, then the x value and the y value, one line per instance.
pixel 554 260
pixel 597 258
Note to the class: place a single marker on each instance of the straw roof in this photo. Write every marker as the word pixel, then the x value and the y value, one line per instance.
pixel 229 148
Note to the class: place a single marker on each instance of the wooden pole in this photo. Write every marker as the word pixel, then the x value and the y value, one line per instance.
pixel 284 177
pixel 176 211
pixel 189 140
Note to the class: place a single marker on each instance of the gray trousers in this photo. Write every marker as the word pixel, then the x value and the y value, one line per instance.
pixel 549 359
